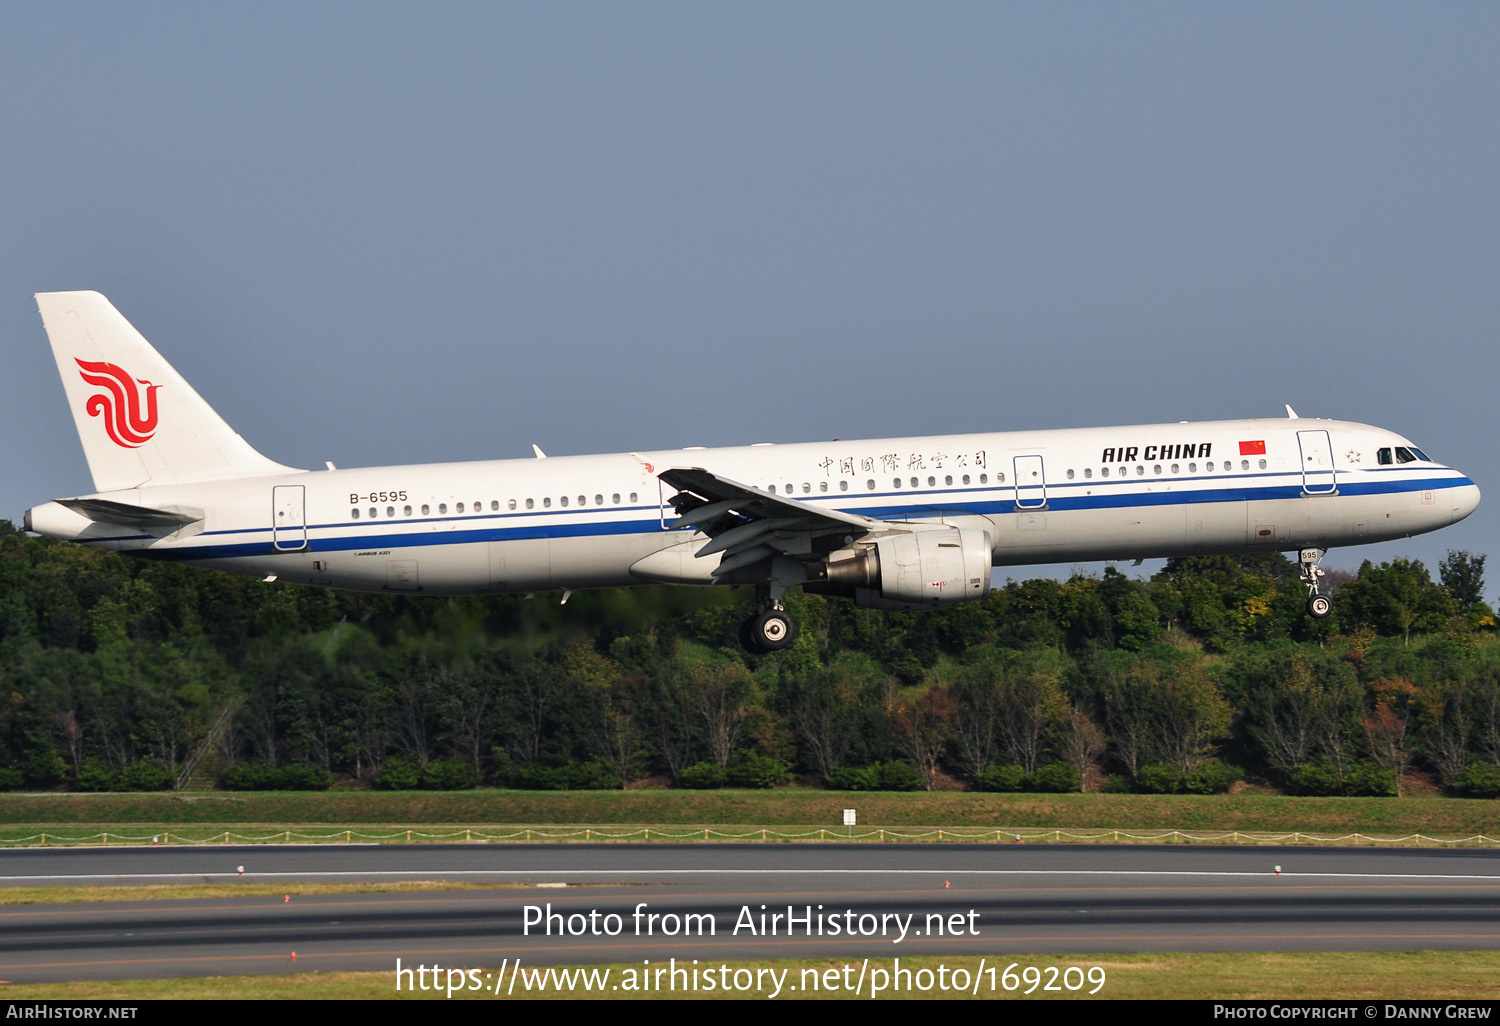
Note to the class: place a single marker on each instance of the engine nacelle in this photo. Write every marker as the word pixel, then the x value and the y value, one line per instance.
pixel 922 570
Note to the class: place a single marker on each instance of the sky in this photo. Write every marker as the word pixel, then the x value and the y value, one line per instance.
pixel 381 233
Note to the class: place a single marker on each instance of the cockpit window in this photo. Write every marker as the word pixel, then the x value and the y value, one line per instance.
pixel 1383 457
pixel 1421 455
pixel 1404 455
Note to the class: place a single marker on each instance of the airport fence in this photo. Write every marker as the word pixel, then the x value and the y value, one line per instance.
pixel 648 834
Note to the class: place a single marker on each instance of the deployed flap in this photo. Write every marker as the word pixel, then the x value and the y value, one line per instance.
pixel 745 521
pixel 107 511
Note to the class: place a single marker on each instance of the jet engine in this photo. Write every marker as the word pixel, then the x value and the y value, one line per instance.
pixel 914 571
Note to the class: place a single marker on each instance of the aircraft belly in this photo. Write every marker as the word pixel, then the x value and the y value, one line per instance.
pixel 603 562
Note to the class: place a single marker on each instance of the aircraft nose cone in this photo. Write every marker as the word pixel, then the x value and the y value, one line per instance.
pixel 1465 501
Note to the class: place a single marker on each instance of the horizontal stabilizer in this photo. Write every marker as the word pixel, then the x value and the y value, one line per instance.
pixel 107 511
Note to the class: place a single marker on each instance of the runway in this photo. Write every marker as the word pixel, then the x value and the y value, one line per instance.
pixel 628 903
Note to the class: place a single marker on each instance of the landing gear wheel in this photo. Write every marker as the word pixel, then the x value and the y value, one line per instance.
pixel 772 630
pixel 747 637
pixel 1318 606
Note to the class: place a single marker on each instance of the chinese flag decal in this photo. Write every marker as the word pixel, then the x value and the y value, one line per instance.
pixel 1256 448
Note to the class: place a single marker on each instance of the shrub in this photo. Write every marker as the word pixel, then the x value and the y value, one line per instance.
pixel 95 776
pixel 1002 778
pixel 146 775
pixel 570 776
pixel 1053 778
pixel 854 778
pixel 1478 780
pixel 10 779
pixel 447 775
pixel 44 767
pixel 1369 780
pixel 1158 778
pixel 1212 777
pixel 255 776
pixel 703 776
pixel 1315 778
pixel 301 776
pixel 899 776
pixel 756 770
pixel 397 774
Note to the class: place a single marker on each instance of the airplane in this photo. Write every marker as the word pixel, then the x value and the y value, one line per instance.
pixel 895 523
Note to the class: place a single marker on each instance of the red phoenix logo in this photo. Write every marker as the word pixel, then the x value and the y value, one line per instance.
pixel 120 406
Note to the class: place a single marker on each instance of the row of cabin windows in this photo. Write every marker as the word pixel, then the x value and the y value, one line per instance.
pixel 478 507
pixel 1176 468
pixel 896 482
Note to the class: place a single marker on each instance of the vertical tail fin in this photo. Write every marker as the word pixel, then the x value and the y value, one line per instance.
pixel 140 422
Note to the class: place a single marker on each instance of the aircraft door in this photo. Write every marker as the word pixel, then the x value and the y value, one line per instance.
pixel 1031 485
pixel 1317 463
pixel 289 518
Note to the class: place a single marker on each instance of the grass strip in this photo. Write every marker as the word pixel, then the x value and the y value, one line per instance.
pixel 780 809
pixel 1353 976
pixel 167 892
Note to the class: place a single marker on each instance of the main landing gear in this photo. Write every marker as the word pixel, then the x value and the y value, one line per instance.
pixel 771 629
pixel 1318 606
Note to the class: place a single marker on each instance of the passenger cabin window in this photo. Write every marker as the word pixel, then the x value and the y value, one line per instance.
pixel 511 504
pixel 390 511
pixel 407 511
pixel 563 501
pixel 598 500
pixel 426 509
pixel 615 498
pixel 531 504
pixel 374 512
pixel 843 486
pixel 822 486
pixel 495 504
pixel 1104 472
pixel 985 478
pixel 355 511
pixel 1088 472
pixel 459 508
pixel 948 479
pixel 442 507
pixel 583 500
pixel 870 485
pixel 966 479
pixel 547 503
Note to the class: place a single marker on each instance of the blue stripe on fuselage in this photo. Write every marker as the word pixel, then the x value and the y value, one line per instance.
pixel 1058 500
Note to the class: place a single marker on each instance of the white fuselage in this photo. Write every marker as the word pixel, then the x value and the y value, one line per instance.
pixel 600 521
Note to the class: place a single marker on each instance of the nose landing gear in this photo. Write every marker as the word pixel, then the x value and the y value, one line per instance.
pixel 1318 606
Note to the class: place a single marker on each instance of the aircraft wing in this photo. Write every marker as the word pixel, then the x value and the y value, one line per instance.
pixel 748 525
